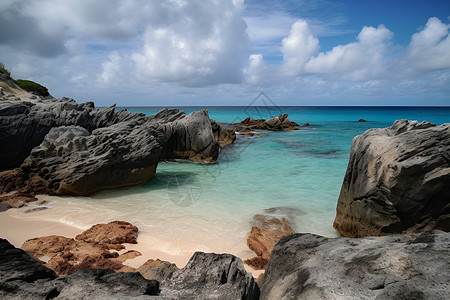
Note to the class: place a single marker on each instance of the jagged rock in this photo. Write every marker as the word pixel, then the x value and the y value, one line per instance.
pixel 24 125
pixel 116 232
pixel 275 123
pixel 211 276
pixel 307 266
pixel 266 232
pixel 223 135
pixel 397 180
pixel 104 150
pixel 157 269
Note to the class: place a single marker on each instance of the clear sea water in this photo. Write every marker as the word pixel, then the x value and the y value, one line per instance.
pixel 188 206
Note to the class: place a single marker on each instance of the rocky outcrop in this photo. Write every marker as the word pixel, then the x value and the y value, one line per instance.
pixel 307 266
pixel 22 277
pixel 397 180
pixel 90 249
pixel 222 135
pixel 76 149
pixel 207 276
pixel 211 276
pixel 275 123
pixel 266 232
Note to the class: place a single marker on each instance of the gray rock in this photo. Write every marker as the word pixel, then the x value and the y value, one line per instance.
pixel 397 180
pixel 307 266
pixel 211 276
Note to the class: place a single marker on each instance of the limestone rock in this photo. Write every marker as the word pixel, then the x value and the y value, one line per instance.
pixel 397 180
pixel 307 266
pixel 211 276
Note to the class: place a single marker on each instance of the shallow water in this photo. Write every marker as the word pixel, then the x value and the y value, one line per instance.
pixel 189 207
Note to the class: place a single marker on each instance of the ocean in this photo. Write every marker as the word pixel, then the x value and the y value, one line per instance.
pixel 188 206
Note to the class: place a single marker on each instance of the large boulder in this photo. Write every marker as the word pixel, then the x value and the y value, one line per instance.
pixel 307 266
pixel 397 180
pixel 75 149
pixel 211 276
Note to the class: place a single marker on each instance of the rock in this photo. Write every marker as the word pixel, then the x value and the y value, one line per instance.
pixel 79 150
pixel 268 230
pixel 104 284
pixel 36 209
pixel 89 249
pixel 223 135
pixel 17 200
pixel 116 232
pixel 362 120
pixel 211 276
pixel 17 270
pixel 397 180
pixel 157 269
pixel 307 266
pixel 4 206
pixel 128 255
pixel 246 132
pixel 21 277
pixel 275 123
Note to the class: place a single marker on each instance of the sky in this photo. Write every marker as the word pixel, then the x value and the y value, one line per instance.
pixel 226 52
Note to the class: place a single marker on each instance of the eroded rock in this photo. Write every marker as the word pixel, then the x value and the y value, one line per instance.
pixel 397 180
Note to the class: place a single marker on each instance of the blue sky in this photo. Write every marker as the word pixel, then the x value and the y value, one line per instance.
pixel 224 52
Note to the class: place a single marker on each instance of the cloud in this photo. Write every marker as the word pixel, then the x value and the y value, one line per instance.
pixel 430 48
pixel 298 48
pixel 357 61
pixel 255 70
pixel 204 45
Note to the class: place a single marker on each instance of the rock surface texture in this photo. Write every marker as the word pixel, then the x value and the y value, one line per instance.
pixel 61 147
pixel 397 180
pixel 211 276
pixel 307 266
pixel 207 276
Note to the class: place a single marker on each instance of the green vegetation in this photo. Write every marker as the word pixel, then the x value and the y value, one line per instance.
pixel 32 87
pixel 3 70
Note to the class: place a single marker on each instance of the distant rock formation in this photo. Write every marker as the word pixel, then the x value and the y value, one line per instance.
pixel 308 266
pixel 275 123
pixel 61 147
pixel 397 180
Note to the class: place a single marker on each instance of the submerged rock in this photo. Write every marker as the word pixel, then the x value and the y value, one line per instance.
pixel 211 276
pixel 397 180
pixel 307 266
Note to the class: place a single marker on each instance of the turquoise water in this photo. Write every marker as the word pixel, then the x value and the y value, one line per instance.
pixel 188 206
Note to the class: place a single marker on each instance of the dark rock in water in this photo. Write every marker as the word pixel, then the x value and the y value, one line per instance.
pixel 362 120
pixel 211 276
pixel 36 209
pixel 275 123
pixel 397 180
pixel 307 266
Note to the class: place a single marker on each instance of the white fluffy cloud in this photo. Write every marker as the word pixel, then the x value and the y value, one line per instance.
pixel 430 48
pixel 361 60
pixel 298 48
pixel 204 44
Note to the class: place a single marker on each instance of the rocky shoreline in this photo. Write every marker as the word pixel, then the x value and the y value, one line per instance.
pixel 396 184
